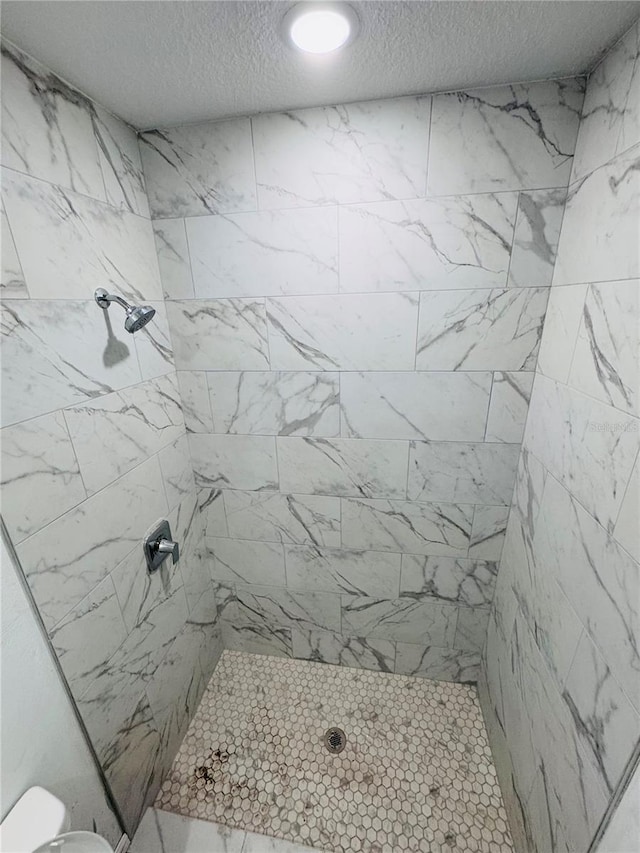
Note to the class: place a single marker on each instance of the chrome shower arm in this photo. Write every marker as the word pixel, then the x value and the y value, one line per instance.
pixel 104 299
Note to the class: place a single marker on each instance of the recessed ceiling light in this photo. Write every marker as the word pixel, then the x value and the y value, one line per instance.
pixel 320 27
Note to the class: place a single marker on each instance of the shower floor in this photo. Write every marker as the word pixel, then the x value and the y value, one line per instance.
pixel 416 772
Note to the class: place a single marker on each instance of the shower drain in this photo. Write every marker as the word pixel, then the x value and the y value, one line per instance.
pixel 335 739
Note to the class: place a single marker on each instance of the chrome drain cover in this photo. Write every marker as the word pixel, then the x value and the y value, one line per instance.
pixel 335 739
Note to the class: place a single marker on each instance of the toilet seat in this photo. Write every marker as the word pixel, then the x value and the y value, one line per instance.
pixel 76 842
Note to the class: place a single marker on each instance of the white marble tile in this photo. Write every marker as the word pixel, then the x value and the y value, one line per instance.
pixel 437 663
pixel 346 332
pixel 561 325
pixel 177 472
pixel 504 138
pixel 535 241
pixel 282 608
pixel 407 526
pixel 269 253
pixel 275 403
pixel 456 581
pixel 263 844
pixel 199 169
pixel 211 503
pixel 12 283
pixel 243 561
pixel 219 334
pixel 458 472
pixel 362 467
pixel 403 620
pixel 234 461
pixel 427 244
pixel 40 475
pixel 277 517
pixel 611 113
pixel 605 360
pixel 120 162
pixel 194 394
pixel 47 127
pixel 65 560
pixel 173 258
pixel 244 631
pixel 480 329
pixel 471 628
pixel 88 635
pixel 599 237
pixel 401 405
pixel 627 530
pixel 329 647
pixel 161 832
pixel 187 528
pixel 587 445
pixel 372 573
pixel 510 396
pixel 82 244
pixel 487 532
pixel 56 353
pixel 606 723
pixel 137 421
pixel 338 155
pixel 153 345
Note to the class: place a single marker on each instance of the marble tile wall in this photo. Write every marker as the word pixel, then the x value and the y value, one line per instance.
pixel 356 297
pixel 561 668
pixel 94 447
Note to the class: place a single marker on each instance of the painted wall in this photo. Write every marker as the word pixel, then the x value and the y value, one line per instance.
pixel 562 662
pixel 93 440
pixel 356 297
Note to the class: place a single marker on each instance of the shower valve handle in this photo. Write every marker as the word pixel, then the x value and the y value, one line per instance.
pixel 168 546
pixel 158 545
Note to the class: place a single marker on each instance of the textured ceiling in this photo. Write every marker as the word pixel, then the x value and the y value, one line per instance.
pixel 165 63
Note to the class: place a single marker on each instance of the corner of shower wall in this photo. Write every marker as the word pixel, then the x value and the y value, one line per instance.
pixel 94 447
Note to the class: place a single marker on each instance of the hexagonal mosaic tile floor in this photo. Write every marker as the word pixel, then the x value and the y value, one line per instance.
pixel 416 772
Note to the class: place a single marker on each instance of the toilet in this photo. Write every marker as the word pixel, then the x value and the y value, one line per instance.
pixel 38 823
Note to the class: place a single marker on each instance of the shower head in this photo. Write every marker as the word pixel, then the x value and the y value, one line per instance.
pixel 137 315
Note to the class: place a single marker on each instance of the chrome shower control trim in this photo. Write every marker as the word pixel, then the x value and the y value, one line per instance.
pixel 158 545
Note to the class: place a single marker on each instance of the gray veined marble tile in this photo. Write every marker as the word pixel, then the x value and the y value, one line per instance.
pixel 65 560
pixel 504 138
pixel 404 620
pixel 535 241
pixel 627 530
pixel 460 472
pixel 510 396
pixel 219 334
pixel 244 631
pixel 268 253
pixel 12 283
pixel 343 332
pixel 403 405
pixel 283 608
pixel 451 580
pixel 471 628
pixel 487 532
pixel 599 237
pixel 211 503
pixel 561 325
pixel 40 475
pixel 138 421
pixel 337 155
pixel 427 244
pixel 47 127
pixel 480 329
pixel 372 573
pixel 605 360
pixel 610 120
pixel 234 461
pixel 261 844
pixel 437 663
pixel 82 243
pixel 56 353
pixel 187 528
pixel 165 831
pixel 89 635
pixel 606 723
pixel 173 258
pixel 363 467
pixel 275 403
pixel 407 527
pixel 153 345
pixel 120 162
pixel 278 517
pixel 199 169
pixel 328 647
pixel 177 473
pixel 194 394
pixel 247 562
pixel 589 446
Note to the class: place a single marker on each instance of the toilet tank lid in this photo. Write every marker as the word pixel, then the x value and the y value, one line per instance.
pixel 37 817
